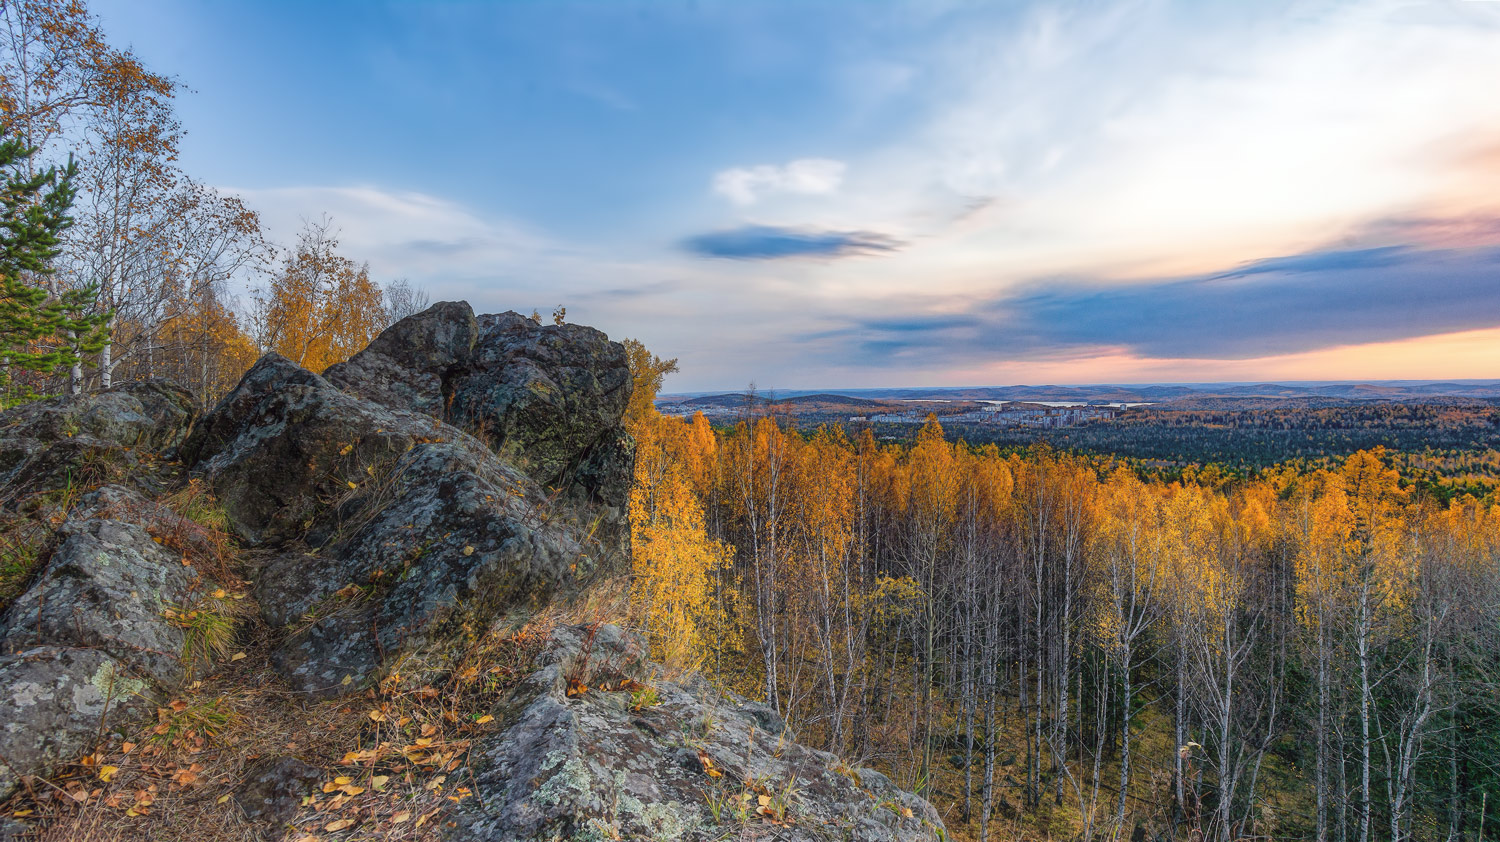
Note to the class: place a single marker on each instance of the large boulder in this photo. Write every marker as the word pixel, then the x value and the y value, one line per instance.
pixel 549 398
pixel 71 442
pixel 55 702
pixel 284 447
pixel 451 536
pixel 109 585
pixel 90 643
pixel 390 528
pixel 621 761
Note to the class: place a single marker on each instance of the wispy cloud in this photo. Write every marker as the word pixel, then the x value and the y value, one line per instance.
pixel 1279 306
pixel 768 242
pixel 806 176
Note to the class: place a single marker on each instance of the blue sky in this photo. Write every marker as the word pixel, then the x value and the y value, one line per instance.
pixel 810 194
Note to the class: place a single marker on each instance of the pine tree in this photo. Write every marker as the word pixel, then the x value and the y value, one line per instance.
pixel 39 332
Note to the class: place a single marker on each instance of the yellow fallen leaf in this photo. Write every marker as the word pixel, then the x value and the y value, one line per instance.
pixel 468 550
pixel 220 593
pixel 377 716
pixel 345 451
pixel 378 782
pixel 222 799
pixel 342 779
pixel 238 656
pixel 341 824
pixel 483 719
pixel 764 800
pixel 351 484
pixel 402 817
pixel 351 789
pixel 107 772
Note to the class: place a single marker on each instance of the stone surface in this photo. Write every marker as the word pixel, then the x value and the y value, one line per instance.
pixel 590 767
pixel 412 363
pixel 453 535
pixel 54 704
pixel 273 789
pixel 392 527
pixel 547 397
pixel 106 586
pixel 284 447
pixel 73 442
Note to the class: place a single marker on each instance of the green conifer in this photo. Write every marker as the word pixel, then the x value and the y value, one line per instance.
pixel 39 331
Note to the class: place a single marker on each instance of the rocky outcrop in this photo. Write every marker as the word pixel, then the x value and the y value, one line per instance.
pixel 91 641
pixel 107 586
pixel 680 764
pixel 457 474
pixel 55 701
pixel 450 536
pixel 548 398
pixel 391 526
pixel 74 442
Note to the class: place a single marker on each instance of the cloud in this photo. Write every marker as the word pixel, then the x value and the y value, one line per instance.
pixel 1323 261
pixel 807 176
pixel 1279 306
pixel 770 242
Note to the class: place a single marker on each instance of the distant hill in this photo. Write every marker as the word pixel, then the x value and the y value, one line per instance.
pixel 1177 394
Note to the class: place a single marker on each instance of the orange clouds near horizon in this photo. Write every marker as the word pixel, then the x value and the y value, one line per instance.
pixel 1462 355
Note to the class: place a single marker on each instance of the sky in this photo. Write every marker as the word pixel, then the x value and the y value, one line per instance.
pixel 865 193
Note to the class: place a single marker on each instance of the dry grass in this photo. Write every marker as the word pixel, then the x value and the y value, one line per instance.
pixel 392 756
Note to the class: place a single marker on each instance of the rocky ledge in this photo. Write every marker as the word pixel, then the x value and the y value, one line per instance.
pixel 459 473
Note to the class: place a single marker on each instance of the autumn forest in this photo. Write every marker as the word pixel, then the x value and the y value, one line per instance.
pixel 1176 625
pixel 1048 646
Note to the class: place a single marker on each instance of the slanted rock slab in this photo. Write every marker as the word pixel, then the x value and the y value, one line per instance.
pixel 54 703
pixel 603 764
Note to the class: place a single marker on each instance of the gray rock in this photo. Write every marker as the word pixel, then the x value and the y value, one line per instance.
pixel 76 441
pixel 285 447
pixel 106 587
pixel 394 528
pixel 550 398
pixel 412 363
pixel 453 535
pixel 591 767
pixel 54 704
pixel 273 789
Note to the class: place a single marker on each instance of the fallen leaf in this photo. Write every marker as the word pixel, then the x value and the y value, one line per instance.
pixel 402 817
pixel 238 656
pixel 378 782
pixel 483 719
pixel 107 772
pixel 341 824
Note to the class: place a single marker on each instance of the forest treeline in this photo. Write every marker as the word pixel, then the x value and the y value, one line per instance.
pixel 152 273
pixel 1245 438
pixel 1050 648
